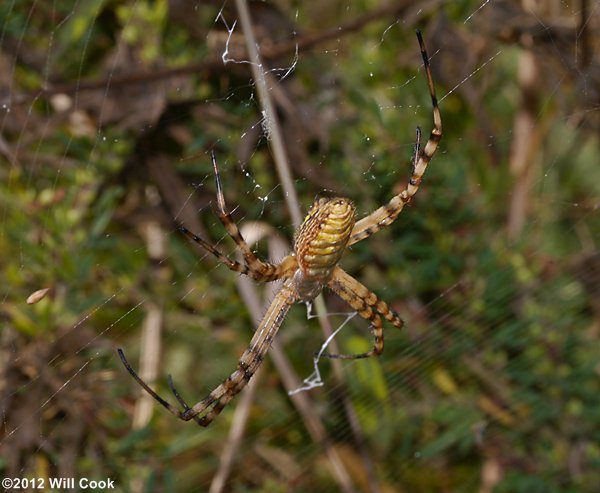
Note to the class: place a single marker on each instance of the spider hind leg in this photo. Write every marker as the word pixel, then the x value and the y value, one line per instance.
pixel 387 214
pixel 252 266
pixel 261 270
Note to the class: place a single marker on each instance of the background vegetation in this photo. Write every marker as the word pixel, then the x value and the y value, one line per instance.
pixel 109 109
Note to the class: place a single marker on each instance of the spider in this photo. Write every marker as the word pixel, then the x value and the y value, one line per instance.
pixel 328 229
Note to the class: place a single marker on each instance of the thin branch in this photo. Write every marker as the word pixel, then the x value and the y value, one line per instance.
pixel 213 64
pixel 583 33
pixel 270 115
pixel 151 331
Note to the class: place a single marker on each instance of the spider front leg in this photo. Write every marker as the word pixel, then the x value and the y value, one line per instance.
pixel 206 410
pixel 181 400
pixel 367 305
pixel 212 414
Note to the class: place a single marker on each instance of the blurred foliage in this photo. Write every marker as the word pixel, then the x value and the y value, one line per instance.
pixel 493 386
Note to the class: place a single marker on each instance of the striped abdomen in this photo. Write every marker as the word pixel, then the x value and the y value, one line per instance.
pixel 320 243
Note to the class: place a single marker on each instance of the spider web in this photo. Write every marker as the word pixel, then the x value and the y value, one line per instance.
pixel 109 111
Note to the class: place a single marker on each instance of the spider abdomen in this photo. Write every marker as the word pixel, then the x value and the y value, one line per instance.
pixel 322 238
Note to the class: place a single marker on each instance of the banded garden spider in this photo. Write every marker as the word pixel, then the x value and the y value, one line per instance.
pixel 329 227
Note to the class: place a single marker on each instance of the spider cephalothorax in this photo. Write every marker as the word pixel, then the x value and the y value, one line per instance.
pixel 329 227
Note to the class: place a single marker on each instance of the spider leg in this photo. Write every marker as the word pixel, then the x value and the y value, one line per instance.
pixel 146 387
pixel 261 270
pixel 388 213
pixel 181 400
pixel 204 420
pixel 250 360
pixel 417 147
pixel 253 266
pixel 204 411
pixel 231 264
pixel 367 305
pixel 287 264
